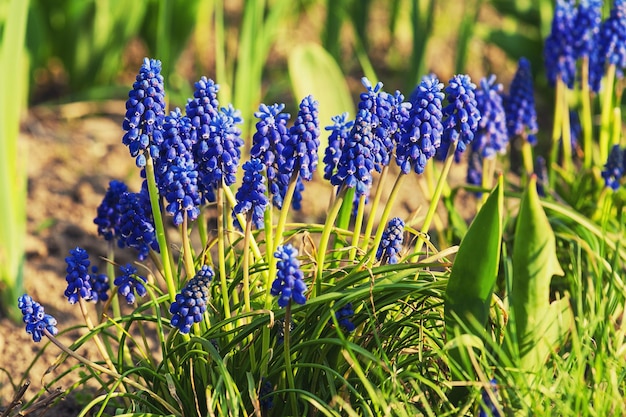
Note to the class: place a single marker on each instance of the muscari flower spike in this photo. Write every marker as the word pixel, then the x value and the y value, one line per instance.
pixel 339 132
pixel 492 135
pixel 488 408
pixel 136 224
pixel 78 278
pixel 176 171
pixel 268 142
pixel 145 109
pixel 289 283
pixel 612 39
pixel 475 168
pixel 559 51
pixel 36 319
pixel 266 394
pixel 587 26
pixel 129 283
pixel 460 116
pixel 614 167
pixel 108 214
pixel 422 131
pixel 300 151
pixel 391 242
pixel 99 285
pixel 519 105
pixel 251 195
pixel 191 302
pixel 343 315
pixel 382 121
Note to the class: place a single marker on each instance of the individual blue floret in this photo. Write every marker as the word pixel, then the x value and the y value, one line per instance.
pixel 492 135
pixel 191 302
pixel 145 109
pixel 560 46
pixel 519 105
pixel 614 167
pixel 36 319
pixel 391 242
pixel 300 150
pixel 289 283
pixel 136 224
pixel 130 283
pixel 108 214
pixel 176 171
pixel 421 135
pixel 78 279
pixel 251 195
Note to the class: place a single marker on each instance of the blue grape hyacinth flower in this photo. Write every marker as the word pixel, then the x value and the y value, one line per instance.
pixel 422 131
pixel 488 408
pixel 492 135
pixel 145 109
pixel 109 211
pixel 519 105
pixel 289 283
pixel 78 278
pixel 251 195
pixel 36 319
pixel 191 302
pixel 475 169
pixel 612 38
pixel 99 285
pixel 343 315
pixel 136 224
pixel 338 133
pixel 614 168
pixel 391 242
pixel 560 46
pixel 176 171
pixel 300 150
pixel 266 394
pixel 130 283
pixel 460 115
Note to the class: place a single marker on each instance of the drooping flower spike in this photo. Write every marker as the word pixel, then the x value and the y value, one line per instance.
pixel 130 283
pixel 36 319
pixel 191 302
pixel 145 109
pixel 289 283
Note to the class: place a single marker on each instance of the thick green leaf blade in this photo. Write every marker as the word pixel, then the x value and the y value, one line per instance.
pixel 538 324
pixel 473 276
pixel 313 71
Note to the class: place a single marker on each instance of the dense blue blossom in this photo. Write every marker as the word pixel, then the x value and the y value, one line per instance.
pixel 559 51
pixel 203 107
pixel 339 132
pixel 108 214
pixel 289 283
pixel 587 27
pixel 391 242
pixel 35 317
pixel 176 171
pixel 344 315
pixel 488 408
pixel 268 143
pixel 145 109
pixel 519 105
pixel 99 285
pixel 421 135
pixel 136 223
pixel 266 394
pixel 129 283
pixel 460 115
pixel 191 302
pixel 300 151
pixel 475 168
pixel 78 279
pixel 614 167
pixel 355 166
pixel 492 135
pixel 251 195
pixel 612 39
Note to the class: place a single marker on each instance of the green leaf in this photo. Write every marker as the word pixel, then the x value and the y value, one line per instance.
pixel 314 71
pixel 538 325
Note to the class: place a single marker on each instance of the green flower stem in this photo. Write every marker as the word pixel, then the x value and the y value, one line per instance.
pixel 383 220
pixel 556 129
pixel 527 159
pixel 434 202
pixel 288 370
pixel 370 221
pixel 221 257
pixel 204 238
pixel 228 193
pixel 111 373
pixel 357 227
pixel 282 219
pixel 160 229
pixel 115 302
pixel 324 240
pixel 616 131
pixel 566 134
pixel 246 263
pixel 190 269
pixel 586 117
pixel 605 118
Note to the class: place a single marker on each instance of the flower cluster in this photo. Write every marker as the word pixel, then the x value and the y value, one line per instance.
pixel 35 317
pixel 109 211
pixel 560 46
pixel 129 283
pixel 614 168
pixel 492 136
pixel 519 105
pixel 251 195
pixel 612 38
pixel 266 394
pixel 339 132
pixel 145 109
pixel 300 151
pixel 391 243
pixel 343 315
pixel 191 302
pixel 289 283
pixel 136 224
pixel 78 279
